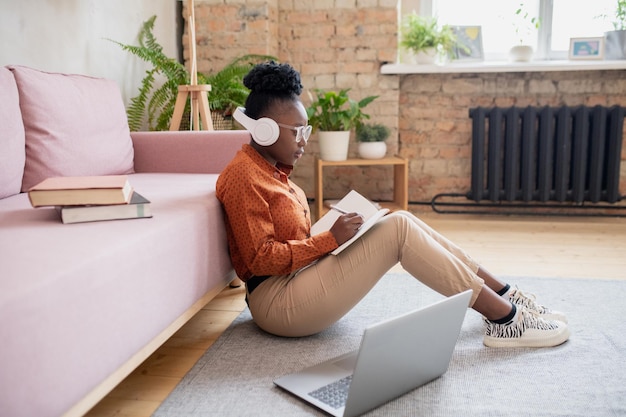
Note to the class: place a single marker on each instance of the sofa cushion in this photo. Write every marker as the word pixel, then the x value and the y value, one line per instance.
pixel 74 124
pixel 12 154
pixel 78 300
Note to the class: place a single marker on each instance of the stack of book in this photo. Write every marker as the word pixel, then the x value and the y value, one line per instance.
pixel 91 198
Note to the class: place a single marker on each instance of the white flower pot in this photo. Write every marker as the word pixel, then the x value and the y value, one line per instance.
pixel 426 57
pixel 334 145
pixel 521 53
pixel 372 150
pixel 615 47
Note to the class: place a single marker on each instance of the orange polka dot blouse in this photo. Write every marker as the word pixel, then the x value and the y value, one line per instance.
pixel 268 220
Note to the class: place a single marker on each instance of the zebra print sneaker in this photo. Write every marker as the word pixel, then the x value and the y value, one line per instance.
pixel 519 298
pixel 528 329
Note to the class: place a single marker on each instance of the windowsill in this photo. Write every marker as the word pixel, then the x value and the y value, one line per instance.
pixel 502 66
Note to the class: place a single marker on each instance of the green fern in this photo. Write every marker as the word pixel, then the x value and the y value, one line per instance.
pixel 155 105
pixel 149 102
pixel 227 89
pixel 135 111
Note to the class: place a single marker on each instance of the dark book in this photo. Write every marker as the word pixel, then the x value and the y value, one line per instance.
pixel 137 208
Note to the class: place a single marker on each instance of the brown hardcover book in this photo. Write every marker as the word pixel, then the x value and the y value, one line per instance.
pixel 80 191
pixel 137 208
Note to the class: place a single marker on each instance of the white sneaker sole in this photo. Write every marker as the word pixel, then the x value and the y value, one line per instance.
pixel 531 338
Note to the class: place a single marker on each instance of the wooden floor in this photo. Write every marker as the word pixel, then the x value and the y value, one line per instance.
pixel 507 246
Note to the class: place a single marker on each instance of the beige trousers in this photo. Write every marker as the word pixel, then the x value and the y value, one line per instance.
pixel 321 294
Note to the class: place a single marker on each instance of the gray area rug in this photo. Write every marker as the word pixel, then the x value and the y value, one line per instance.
pixel 586 376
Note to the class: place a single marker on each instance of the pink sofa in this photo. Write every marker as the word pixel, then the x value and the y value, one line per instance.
pixel 82 305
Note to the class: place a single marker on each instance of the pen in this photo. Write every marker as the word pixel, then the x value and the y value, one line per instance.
pixel 339 209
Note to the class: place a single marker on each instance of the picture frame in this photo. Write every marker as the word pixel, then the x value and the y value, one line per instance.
pixel 586 48
pixel 469 43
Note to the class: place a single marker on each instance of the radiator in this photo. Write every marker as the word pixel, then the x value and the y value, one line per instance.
pixel 546 154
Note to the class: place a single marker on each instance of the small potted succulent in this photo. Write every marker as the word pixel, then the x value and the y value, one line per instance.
pixel 371 138
pixel 333 115
pixel 425 39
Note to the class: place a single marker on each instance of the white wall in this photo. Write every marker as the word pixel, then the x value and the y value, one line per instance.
pixel 71 36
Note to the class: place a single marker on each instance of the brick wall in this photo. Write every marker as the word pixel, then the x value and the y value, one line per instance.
pixel 227 30
pixel 342 44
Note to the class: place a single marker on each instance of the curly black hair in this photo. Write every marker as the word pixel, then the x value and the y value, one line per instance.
pixel 270 82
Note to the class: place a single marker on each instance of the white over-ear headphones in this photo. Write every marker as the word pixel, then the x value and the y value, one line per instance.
pixel 264 131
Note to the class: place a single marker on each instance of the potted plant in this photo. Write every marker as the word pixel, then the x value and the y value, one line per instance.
pixel 423 37
pixel 615 47
pixel 525 26
pixel 227 89
pixel 333 115
pixel 371 138
pixel 157 102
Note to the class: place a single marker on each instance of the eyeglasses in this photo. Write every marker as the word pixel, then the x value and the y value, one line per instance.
pixel 302 132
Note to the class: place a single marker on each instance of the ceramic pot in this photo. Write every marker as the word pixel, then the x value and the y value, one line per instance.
pixel 521 53
pixel 426 57
pixel 615 47
pixel 334 145
pixel 372 150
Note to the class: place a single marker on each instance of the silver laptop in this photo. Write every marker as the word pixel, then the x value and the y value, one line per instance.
pixel 396 356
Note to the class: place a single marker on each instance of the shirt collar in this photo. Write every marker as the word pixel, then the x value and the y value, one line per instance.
pixel 264 163
pixel 284 168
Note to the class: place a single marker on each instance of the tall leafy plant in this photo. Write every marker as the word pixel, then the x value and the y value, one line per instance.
pixel 336 111
pixel 227 89
pixel 157 101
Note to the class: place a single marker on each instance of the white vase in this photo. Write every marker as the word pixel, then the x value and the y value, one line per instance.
pixel 521 53
pixel 426 57
pixel 334 145
pixel 372 150
pixel 615 47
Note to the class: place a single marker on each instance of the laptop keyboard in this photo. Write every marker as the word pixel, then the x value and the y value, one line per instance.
pixel 335 393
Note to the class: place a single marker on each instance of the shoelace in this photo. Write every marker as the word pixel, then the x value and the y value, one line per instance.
pixel 527 300
pixel 533 319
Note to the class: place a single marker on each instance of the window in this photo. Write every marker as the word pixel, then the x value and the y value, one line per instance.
pixel 502 28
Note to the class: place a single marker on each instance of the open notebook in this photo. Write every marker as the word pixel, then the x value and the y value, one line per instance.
pixel 352 202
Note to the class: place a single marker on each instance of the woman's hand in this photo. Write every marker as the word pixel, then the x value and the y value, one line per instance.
pixel 346 226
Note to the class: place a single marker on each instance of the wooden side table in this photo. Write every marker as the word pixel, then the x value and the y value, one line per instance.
pixel 400 180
